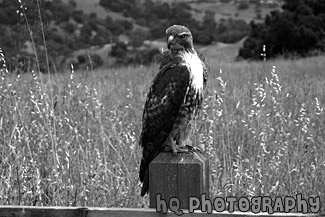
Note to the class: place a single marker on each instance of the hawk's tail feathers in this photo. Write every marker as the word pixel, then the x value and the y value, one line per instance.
pixel 143 169
pixel 150 152
pixel 144 176
pixel 145 185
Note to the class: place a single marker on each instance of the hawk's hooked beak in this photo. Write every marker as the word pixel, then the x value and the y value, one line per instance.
pixel 170 41
pixel 172 44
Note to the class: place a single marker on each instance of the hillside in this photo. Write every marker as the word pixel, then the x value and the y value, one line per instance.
pixel 220 52
pixel 222 10
pixel 75 30
pixel 92 6
pixel 226 10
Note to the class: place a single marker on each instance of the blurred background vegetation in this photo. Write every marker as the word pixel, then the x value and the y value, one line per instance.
pixel 131 31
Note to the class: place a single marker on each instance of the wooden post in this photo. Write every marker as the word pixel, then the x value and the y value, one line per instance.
pixel 182 176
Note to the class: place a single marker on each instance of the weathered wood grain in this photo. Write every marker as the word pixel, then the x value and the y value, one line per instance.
pixel 182 176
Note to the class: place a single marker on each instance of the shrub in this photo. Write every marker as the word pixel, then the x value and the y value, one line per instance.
pixel 81 58
pixel 96 60
pixel 243 5
pixel 73 3
pixel 69 28
pixel 148 56
pixel 58 38
pixel 116 6
pixel 127 25
pixel 78 16
pixel 8 13
pixel 119 50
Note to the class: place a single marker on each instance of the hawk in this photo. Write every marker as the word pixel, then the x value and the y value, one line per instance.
pixel 174 100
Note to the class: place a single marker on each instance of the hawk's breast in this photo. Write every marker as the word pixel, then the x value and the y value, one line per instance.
pixel 195 66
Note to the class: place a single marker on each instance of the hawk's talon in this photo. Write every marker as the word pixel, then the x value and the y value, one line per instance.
pixel 195 149
pixel 181 149
pixel 177 149
pixel 173 145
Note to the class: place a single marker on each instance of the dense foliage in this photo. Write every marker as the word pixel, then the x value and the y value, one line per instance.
pixel 52 27
pixel 158 16
pixel 297 30
pixel 58 29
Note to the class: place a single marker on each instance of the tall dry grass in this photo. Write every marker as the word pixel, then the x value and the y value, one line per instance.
pixel 72 140
pixel 76 148
pixel 263 126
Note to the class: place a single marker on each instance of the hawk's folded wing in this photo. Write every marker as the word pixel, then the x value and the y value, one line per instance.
pixel 163 103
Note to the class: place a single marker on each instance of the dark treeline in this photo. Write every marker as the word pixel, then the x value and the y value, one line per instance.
pixel 297 31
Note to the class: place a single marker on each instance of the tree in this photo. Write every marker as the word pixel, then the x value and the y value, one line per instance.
pixel 69 28
pixel 8 13
pixel 298 29
pixel 78 16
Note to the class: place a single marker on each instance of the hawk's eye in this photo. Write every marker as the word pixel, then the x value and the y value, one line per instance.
pixel 183 36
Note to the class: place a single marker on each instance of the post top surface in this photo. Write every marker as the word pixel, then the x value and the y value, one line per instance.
pixel 181 158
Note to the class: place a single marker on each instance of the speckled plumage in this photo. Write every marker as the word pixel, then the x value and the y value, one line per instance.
pixel 174 99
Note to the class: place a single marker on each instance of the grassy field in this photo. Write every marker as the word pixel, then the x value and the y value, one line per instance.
pixel 223 11
pixel 71 139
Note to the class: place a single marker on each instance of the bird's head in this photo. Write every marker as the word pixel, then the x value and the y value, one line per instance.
pixel 179 38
